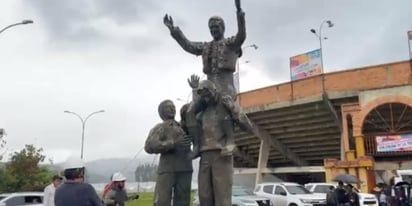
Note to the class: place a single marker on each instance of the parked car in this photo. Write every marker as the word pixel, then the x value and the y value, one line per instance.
pixel 365 199
pixel 21 199
pixel 289 194
pixel 241 197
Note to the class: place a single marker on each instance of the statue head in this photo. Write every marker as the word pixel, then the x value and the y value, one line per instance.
pixel 183 112
pixel 167 110
pixel 217 27
pixel 207 91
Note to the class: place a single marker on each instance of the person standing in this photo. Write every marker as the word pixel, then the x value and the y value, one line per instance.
pixel 74 191
pixel 340 195
pixel 353 197
pixel 330 197
pixel 49 191
pixel 117 195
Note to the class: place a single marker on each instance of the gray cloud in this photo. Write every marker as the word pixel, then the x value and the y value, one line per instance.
pixel 125 11
pixel 69 24
pixel 122 59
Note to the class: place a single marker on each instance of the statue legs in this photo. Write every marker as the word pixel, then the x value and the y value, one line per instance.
pixel 228 128
pixel 215 179
pixel 163 189
pixel 173 186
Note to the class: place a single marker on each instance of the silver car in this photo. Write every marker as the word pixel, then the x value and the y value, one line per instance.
pixel 241 197
pixel 21 198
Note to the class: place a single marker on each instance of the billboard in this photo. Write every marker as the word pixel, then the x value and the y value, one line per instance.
pixel 306 65
pixel 410 43
pixel 394 143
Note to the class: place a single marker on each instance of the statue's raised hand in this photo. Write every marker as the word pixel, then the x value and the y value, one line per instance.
pixel 237 4
pixel 168 21
pixel 193 81
pixel 239 8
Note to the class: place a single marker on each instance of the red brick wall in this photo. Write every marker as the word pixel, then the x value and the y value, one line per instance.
pixel 378 76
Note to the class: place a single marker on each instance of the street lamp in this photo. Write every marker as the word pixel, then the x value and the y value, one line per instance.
pixel 320 38
pixel 26 21
pixel 238 65
pixel 83 125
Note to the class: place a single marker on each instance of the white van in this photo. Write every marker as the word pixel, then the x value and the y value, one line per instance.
pixel 289 194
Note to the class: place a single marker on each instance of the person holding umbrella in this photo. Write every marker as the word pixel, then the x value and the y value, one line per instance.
pixel 353 197
pixel 340 195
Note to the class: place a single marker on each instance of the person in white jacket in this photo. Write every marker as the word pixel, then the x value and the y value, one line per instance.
pixel 49 191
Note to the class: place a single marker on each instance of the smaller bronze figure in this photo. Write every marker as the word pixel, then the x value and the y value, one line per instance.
pixel 188 117
pixel 175 168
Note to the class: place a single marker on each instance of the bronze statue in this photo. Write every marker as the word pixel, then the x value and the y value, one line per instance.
pixel 217 115
pixel 219 55
pixel 175 168
pixel 210 118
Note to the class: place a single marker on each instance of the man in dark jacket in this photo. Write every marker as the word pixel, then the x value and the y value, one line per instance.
pixel 340 195
pixel 175 167
pixel 353 197
pixel 74 191
pixel 330 197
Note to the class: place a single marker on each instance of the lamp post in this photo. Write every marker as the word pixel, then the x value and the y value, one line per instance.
pixel 83 125
pixel 238 65
pixel 26 21
pixel 320 38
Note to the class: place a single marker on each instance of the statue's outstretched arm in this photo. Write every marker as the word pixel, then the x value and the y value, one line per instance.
pixel 195 48
pixel 241 25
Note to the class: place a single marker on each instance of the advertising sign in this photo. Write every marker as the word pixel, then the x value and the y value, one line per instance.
pixel 306 65
pixel 394 143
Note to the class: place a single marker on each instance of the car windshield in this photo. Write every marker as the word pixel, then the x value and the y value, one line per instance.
pixel 308 187
pixel 321 188
pixel 406 178
pixel 297 190
pixel 2 196
pixel 241 192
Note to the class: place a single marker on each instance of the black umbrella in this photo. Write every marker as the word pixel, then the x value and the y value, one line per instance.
pixel 402 184
pixel 346 178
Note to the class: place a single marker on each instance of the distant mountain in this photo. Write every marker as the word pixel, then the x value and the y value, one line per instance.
pixel 100 170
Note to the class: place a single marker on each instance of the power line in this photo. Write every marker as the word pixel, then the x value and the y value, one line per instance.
pixel 135 157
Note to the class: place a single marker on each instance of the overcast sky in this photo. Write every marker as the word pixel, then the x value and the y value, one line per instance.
pixel 118 56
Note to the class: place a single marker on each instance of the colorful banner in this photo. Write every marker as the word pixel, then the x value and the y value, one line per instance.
pixel 306 65
pixel 410 44
pixel 394 143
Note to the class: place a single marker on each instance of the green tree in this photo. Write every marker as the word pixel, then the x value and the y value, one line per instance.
pixel 23 172
pixel 146 172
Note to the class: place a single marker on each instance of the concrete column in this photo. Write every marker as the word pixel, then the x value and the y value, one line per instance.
pixel 263 159
pixel 363 176
pixel 360 147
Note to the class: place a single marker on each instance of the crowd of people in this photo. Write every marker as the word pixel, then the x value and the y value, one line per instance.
pixel 343 195
pixel 75 191
pixel 393 196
